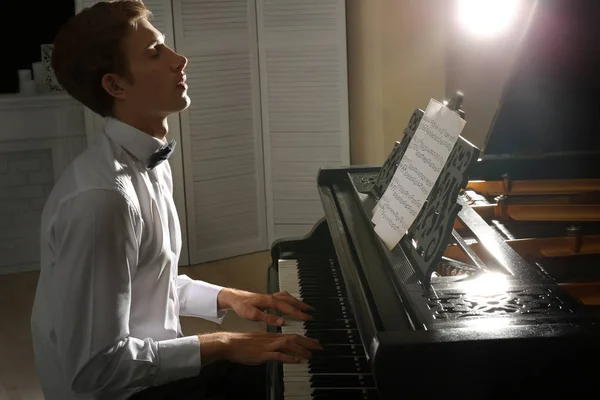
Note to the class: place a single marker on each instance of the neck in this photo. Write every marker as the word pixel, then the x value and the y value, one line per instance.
pixel 152 125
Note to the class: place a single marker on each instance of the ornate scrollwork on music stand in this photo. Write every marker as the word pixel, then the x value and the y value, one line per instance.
pixel 391 163
pixel 426 240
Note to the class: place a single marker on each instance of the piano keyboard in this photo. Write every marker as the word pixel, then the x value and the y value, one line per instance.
pixel 340 370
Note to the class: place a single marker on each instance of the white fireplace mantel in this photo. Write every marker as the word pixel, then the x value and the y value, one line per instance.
pixel 40 116
pixel 16 100
pixel 39 137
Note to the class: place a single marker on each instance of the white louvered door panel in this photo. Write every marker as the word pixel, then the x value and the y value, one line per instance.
pixel 302 52
pixel 162 19
pixel 223 154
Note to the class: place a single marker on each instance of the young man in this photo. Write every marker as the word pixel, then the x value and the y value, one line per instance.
pixel 105 322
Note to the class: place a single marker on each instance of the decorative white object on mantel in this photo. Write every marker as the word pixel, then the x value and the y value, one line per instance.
pixel 26 84
pixel 39 77
pixel 51 81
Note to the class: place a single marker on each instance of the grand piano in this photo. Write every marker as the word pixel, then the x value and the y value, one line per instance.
pixel 494 291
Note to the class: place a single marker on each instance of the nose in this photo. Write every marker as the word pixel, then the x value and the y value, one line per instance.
pixel 181 62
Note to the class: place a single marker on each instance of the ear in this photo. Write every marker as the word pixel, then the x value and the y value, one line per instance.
pixel 112 83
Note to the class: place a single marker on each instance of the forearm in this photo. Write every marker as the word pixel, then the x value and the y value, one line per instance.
pixel 213 347
pixel 227 297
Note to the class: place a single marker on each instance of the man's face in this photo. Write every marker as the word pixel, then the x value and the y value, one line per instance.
pixel 158 87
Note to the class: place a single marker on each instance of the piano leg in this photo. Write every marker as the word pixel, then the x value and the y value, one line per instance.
pixel 340 370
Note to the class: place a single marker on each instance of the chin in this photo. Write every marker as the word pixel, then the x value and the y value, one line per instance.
pixel 186 101
pixel 183 103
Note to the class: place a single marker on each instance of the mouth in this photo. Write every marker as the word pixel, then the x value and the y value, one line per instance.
pixel 182 83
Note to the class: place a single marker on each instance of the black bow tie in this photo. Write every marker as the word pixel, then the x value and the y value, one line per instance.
pixel 161 155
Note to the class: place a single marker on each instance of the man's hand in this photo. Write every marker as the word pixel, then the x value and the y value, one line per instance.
pixel 256 347
pixel 250 305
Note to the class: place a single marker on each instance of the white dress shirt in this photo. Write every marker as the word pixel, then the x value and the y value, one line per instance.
pixel 105 321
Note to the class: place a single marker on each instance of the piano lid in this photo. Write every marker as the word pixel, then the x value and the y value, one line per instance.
pixel 551 102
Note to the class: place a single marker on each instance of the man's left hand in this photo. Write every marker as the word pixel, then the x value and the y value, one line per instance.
pixel 251 306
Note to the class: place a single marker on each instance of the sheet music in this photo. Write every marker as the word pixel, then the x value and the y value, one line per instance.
pixel 417 172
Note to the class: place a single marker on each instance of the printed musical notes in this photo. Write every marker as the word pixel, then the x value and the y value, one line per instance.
pixel 417 172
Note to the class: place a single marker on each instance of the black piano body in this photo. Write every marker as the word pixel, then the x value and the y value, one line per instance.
pixel 515 333
pixel 529 339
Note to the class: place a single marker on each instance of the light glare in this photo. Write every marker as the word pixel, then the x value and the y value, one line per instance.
pixel 486 17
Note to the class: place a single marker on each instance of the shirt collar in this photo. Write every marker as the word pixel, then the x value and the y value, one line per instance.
pixel 140 144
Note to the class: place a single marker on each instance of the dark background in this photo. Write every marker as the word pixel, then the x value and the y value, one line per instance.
pixel 27 25
pixel 551 104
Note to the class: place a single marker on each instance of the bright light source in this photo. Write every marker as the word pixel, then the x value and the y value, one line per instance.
pixel 487 17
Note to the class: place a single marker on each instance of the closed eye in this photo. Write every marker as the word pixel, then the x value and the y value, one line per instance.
pixel 155 51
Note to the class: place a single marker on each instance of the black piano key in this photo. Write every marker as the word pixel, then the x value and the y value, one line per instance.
pixel 329 310
pixel 325 299
pixel 321 291
pixel 346 394
pixel 320 273
pixel 345 381
pixel 334 350
pixel 317 266
pixel 321 288
pixel 339 314
pixel 346 368
pixel 320 284
pixel 331 324
pixel 324 291
pixel 335 336
pixel 325 306
pixel 338 365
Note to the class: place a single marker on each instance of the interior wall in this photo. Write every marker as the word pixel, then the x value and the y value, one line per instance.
pixel 401 53
pixel 414 41
pixel 364 81
pixel 396 63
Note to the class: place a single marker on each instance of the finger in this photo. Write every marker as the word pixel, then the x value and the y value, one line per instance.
pixel 309 343
pixel 285 296
pixel 270 319
pixel 296 345
pixel 306 342
pixel 290 310
pixel 285 358
pixel 272 302
pixel 297 350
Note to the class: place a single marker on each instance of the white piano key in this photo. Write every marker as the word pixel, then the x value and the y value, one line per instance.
pixel 296 388
pixel 297 377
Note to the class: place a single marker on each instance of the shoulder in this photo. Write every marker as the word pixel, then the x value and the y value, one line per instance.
pixel 97 203
pixel 100 199
pixel 94 211
pixel 94 183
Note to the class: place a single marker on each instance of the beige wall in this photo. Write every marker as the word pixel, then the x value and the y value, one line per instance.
pixel 401 53
pixel 364 81
pixel 396 62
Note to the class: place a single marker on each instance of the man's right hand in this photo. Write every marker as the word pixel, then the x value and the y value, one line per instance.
pixel 256 347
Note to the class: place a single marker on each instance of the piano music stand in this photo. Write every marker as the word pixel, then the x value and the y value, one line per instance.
pixel 426 239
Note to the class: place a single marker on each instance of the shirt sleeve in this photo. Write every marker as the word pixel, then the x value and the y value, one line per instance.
pixel 199 299
pixel 96 242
